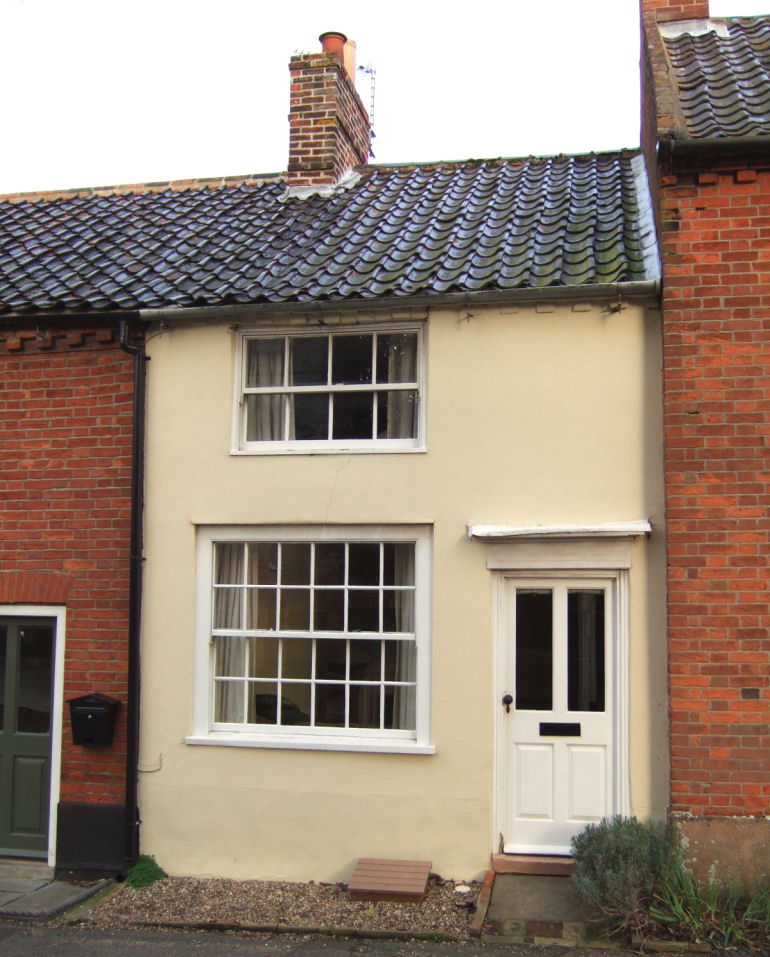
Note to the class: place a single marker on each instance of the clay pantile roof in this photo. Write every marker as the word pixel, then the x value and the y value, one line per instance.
pixel 722 78
pixel 566 221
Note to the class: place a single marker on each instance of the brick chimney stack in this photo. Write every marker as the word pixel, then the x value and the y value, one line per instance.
pixel 329 126
pixel 677 9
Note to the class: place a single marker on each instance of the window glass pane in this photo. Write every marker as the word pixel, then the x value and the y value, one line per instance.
pixel 295 563
pixel 351 359
pixel 534 650
pixel 263 657
pixel 364 563
pixel 364 610
pixel 295 705
pixel 585 650
pixel 3 673
pixel 311 416
pixel 265 416
pixel 34 697
pixel 229 661
pixel 353 415
pixel 330 658
pixel 263 704
pixel 329 610
pixel 227 607
pixel 264 363
pixel 397 414
pixel 364 706
pixel 295 609
pixel 330 706
pixel 263 563
pixel 400 708
pixel 397 357
pixel 398 611
pixel 400 658
pixel 365 660
pixel 228 563
pixel 228 701
pixel 297 659
pixel 260 607
pixel 330 563
pixel 309 361
pixel 398 563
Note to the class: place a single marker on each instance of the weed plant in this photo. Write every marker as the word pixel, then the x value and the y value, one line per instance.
pixel 144 872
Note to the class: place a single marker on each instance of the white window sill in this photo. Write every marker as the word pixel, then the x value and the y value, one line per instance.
pixel 335 450
pixel 306 743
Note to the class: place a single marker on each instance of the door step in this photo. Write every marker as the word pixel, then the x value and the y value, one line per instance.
pixel 24 868
pixel 544 864
pixel 379 879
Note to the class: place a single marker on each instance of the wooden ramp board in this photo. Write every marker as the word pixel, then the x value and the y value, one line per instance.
pixel 532 864
pixel 380 879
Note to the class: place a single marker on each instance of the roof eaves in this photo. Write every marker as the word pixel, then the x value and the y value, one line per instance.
pixel 639 289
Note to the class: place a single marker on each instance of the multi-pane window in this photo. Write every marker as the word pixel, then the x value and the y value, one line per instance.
pixel 333 390
pixel 320 636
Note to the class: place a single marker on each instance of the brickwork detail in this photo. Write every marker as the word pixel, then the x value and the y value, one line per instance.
pixel 66 420
pixel 678 9
pixel 329 130
pixel 715 224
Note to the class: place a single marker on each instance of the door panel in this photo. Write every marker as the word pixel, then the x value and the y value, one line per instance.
pixel 558 759
pixel 26 694
pixel 534 782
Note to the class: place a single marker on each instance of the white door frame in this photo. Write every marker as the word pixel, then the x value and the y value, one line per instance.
pixel 555 556
pixel 59 613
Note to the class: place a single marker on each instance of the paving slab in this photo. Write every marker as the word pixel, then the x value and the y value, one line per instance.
pixel 49 900
pixel 20 886
pixel 534 909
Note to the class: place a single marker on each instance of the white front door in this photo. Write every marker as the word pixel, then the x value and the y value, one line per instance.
pixel 558 741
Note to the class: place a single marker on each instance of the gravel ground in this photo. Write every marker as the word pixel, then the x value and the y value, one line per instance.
pixel 271 903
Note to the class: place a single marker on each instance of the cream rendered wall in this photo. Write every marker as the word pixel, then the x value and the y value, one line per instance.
pixel 547 414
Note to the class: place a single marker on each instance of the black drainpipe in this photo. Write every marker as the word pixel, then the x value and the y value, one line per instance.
pixel 135 594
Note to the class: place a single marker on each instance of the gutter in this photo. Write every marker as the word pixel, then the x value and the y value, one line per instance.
pixel 672 146
pixel 644 289
pixel 135 595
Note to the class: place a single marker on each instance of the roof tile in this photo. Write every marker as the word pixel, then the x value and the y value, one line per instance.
pixel 723 82
pixel 403 231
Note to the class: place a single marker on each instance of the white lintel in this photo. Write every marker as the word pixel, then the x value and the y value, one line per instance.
pixel 511 533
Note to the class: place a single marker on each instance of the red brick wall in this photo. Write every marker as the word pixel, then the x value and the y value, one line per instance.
pixel 678 9
pixel 65 486
pixel 715 231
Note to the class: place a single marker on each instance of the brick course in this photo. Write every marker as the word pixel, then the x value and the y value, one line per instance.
pixel 66 402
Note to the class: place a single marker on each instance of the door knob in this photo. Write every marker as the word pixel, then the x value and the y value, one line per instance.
pixel 507 701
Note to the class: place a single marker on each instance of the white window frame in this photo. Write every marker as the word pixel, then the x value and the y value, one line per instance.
pixel 269 736
pixel 239 444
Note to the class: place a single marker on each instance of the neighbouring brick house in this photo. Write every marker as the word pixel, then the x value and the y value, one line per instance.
pixel 66 425
pixel 706 113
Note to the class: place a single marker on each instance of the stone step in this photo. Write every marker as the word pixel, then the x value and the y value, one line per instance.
pixel 532 864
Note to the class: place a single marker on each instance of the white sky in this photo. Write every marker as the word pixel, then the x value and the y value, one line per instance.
pixel 97 92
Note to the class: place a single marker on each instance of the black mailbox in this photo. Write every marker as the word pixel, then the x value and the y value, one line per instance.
pixel 93 720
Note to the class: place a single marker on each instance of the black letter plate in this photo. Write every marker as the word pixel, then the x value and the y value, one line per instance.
pixel 560 729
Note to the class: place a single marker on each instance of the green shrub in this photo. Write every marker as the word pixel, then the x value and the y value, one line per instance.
pixel 715 912
pixel 619 866
pixel 144 872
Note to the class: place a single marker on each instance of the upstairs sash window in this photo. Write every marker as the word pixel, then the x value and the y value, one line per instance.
pixel 340 390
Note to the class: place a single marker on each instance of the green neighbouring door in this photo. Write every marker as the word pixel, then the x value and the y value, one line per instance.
pixel 26 692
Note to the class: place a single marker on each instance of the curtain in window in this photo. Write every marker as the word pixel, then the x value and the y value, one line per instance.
pixel 228 652
pixel 264 368
pixel 403 716
pixel 402 367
